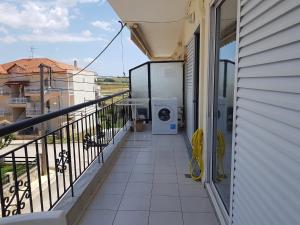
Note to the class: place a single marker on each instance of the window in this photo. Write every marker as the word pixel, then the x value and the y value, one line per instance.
pixel 224 77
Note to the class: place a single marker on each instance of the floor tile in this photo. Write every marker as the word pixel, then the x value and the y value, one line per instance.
pixel 196 204
pixel 165 170
pixel 165 178
pixel 143 169
pixel 165 203
pixel 113 188
pixel 165 189
pixel 165 218
pixel 98 217
pixel 125 161
pixel 141 177
pixel 122 168
pixel 131 218
pixel 200 219
pixel 138 189
pixel 191 190
pixel 144 161
pixel 129 155
pixel 182 179
pixel 135 203
pixel 118 177
pixel 105 201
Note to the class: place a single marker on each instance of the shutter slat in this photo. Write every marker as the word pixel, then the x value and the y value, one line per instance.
pixel 285 11
pixel 266 167
pixel 189 91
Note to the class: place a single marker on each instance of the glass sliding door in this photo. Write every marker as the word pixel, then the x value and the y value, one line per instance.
pixel 224 79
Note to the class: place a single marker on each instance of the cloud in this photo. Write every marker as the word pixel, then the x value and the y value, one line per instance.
pixel 72 3
pixel 34 15
pixel 8 39
pixel 56 37
pixel 88 59
pixel 88 1
pixel 3 30
pixel 53 37
pixel 86 33
pixel 104 25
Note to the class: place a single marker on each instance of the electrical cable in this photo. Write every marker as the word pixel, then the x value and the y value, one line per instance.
pixel 122 50
pixel 106 47
pixel 90 63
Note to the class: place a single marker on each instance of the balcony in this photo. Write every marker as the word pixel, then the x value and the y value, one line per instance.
pixel 33 90
pixel 98 172
pixel 148 185
pixel 4 112
pixel 18 101
pixel 36 111
pixel 4 91
pixel 33 112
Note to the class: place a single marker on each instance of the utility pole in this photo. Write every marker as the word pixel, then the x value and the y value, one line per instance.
pixel 42 156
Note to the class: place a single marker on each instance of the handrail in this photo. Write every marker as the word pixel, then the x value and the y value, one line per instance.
pixel 53 161
pixel 11 128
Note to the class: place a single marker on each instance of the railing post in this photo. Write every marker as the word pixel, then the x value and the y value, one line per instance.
pixel 98 133
pixel 1 193
pixel 69 155
pixel 112 120
pixel 123 113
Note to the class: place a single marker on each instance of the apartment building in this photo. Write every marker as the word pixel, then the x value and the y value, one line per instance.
pixel 20 89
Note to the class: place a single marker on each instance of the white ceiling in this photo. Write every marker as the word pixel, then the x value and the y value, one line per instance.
pixel 162 38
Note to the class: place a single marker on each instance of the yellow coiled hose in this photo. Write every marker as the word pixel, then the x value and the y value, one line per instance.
pixel 196 163
pixel 220 155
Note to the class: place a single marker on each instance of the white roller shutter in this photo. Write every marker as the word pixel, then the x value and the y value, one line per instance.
pixel 266 178
pixel 189 89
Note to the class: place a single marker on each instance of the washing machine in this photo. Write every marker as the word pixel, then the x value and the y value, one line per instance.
pixel 164 115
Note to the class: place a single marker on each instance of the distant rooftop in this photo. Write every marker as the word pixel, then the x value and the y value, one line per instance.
pixel 32 65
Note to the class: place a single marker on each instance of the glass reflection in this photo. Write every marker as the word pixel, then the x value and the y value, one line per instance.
pixel 224 98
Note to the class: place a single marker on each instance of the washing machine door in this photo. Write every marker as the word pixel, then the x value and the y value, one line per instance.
pixel 164 114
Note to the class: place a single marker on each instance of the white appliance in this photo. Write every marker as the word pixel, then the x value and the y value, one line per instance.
pixel 164 115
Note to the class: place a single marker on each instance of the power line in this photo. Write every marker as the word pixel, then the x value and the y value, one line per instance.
pixel 122 49
pixel 89 64
pixel 106 47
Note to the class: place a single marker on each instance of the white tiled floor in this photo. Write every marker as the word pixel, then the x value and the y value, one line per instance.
pixel 147 186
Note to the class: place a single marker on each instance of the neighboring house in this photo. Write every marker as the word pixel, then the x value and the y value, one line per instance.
pixel 242 85
pixel 20 89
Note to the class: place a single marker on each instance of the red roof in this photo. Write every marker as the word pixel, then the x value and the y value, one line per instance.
pixel 32 65
pixel 2 70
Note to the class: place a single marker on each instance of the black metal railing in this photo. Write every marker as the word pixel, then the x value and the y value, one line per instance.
pixel 43 170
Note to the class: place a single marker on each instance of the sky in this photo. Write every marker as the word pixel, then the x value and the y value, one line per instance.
pixel 66 30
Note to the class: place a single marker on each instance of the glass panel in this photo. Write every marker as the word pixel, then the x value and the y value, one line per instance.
pixel 166 81
pixel 139 88
pixel 224 98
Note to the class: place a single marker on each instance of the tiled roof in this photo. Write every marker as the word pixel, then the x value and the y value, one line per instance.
pixel 32 65
pixel 2 70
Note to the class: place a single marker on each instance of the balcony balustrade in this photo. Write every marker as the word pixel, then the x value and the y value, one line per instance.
pixel 4 112
pixel 45 169
pixel 18 100
pixel 4 91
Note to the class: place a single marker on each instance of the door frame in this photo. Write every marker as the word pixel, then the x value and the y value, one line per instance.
pixel 196 78
pixel 224 216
